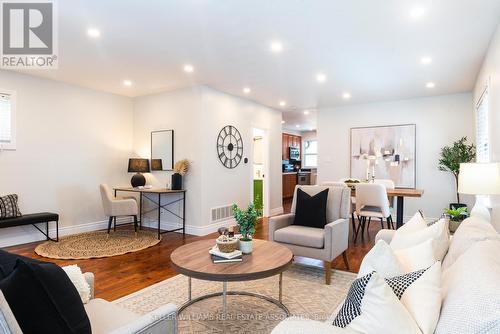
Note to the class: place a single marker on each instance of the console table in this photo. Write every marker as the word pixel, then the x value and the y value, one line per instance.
pixel 159 192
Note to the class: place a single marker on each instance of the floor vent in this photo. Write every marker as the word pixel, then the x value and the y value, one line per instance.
pixel 222 213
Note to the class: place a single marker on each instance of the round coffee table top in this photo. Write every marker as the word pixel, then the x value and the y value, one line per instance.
pixel 267 259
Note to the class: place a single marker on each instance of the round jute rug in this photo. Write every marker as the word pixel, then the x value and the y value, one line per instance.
pixel 97 244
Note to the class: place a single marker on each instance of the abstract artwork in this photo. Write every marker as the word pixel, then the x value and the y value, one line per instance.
pixel 384 152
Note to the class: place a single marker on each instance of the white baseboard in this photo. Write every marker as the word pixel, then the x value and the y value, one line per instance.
pixel 190 229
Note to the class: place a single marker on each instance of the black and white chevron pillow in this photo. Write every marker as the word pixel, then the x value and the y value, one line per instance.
pixel 9 207
pixel 352 305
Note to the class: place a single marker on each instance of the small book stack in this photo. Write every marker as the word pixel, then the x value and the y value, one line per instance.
pixel 220 257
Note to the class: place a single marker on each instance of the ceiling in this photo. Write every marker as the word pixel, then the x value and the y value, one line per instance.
pixel 371 49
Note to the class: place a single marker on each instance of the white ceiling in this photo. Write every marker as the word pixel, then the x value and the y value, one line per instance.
pixel 371 49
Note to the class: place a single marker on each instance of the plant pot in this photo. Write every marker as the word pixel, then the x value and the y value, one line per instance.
pixel 457 205
pixel 453 225
pixel 246 247
pixel 176 181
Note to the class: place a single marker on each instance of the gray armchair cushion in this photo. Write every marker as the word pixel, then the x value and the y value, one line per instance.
pixel 301 235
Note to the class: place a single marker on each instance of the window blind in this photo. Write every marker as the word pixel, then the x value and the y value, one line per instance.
pixel 5 118
pixel 482 129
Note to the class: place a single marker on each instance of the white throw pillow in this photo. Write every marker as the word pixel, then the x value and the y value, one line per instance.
pixel 78 279
pixel 416 223
pixel 417 257
pixel 471 292
pixel 381 258
pixel 470 231
pixel 438 232
pixel 371 306
pixel 420 293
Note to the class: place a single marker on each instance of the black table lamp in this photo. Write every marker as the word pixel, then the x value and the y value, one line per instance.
pixel 138 166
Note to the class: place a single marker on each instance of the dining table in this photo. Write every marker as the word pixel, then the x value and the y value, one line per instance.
pixel 400 194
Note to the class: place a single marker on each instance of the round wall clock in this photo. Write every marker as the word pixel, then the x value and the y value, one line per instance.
pixel 229 146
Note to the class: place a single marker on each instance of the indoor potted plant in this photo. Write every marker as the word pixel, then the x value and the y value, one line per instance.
pixel 456 216
pixel 181 167
pixel 450 159
pixel 246 220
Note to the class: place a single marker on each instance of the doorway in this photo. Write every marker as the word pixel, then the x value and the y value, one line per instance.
pixel 260 186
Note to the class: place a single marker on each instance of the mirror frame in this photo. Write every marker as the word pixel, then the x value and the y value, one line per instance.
pixel 151 159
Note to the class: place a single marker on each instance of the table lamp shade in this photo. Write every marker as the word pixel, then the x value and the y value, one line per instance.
pixel 156 164
pixel 479 179
pixel 138 165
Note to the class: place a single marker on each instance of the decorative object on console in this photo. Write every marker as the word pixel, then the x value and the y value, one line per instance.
pixel 388 151
pixel 180 169
pixel 451 158
pixel 229 147
pixel 479 179
pixel 156 164
pixel 9 207
pixel 138 166
pixel 246 220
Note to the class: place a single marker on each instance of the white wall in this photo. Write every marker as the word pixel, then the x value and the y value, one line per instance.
pixel 69 140
pixel 440 121
pixel 197 115
pixel 490 72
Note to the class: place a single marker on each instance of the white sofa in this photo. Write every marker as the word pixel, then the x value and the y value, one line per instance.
pixel 470 285
pixel 107 318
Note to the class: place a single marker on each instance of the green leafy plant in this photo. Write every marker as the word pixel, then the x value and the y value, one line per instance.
pixel 246 220
pixel 452 156
pixel 457 214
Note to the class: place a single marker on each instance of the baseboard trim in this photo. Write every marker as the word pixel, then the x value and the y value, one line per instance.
pixel 190 229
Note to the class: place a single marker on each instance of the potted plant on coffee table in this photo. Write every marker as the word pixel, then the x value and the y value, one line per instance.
pixel 246 220
pixel 451 158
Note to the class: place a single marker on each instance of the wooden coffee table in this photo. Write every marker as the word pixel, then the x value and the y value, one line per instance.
pixel 267 259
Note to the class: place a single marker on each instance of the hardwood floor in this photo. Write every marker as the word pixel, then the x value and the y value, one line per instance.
pixel 121 275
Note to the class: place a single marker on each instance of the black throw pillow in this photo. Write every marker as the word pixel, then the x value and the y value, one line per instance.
pixel 311 210
pixel 43 299
pixel 8 262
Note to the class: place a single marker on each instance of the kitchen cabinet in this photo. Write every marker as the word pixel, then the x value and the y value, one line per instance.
pixel 289 183
pixel 288 141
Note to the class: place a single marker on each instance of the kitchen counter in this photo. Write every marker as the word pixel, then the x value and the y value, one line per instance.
pixel 289 173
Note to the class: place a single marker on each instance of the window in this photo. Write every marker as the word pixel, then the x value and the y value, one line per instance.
pixel 311 153
pixel 482 129
pixel 7 121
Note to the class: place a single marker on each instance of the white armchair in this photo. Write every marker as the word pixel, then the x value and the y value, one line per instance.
pixel 318 243
pixel 116 207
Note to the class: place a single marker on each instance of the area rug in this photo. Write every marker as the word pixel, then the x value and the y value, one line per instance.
pixel 97 244
pixel 304 293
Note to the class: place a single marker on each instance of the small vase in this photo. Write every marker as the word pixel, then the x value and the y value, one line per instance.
pixel 176 181
pixel 246 247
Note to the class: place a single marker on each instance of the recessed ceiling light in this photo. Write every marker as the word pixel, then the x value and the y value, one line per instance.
pixel 282 122
pixel 276 47
pixel 188 68
pixel 246 90
pixel 306 112
pixel 282 103
pixel 127 83
pixel 430 85
pixel 93 32
pixel 346 96
pixel 425 60
pixel 297 126
pixel 320 77
pixel 417 12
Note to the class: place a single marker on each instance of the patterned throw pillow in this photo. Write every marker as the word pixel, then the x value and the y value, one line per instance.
pixel 9 207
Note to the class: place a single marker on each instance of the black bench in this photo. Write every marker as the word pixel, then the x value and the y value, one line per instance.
pixel 32 219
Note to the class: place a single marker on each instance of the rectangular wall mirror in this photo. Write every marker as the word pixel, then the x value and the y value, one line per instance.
pixel 162 150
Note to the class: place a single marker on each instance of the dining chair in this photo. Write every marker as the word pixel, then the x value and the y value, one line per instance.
pixel 388 184
pixel 371 202
pixel 115 207
pixel 353 205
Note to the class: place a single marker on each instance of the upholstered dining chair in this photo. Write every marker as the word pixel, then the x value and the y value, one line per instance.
pixel 388 184
pixel 115 207
pixel 371 202
pixel 318 243
pixel 352 205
